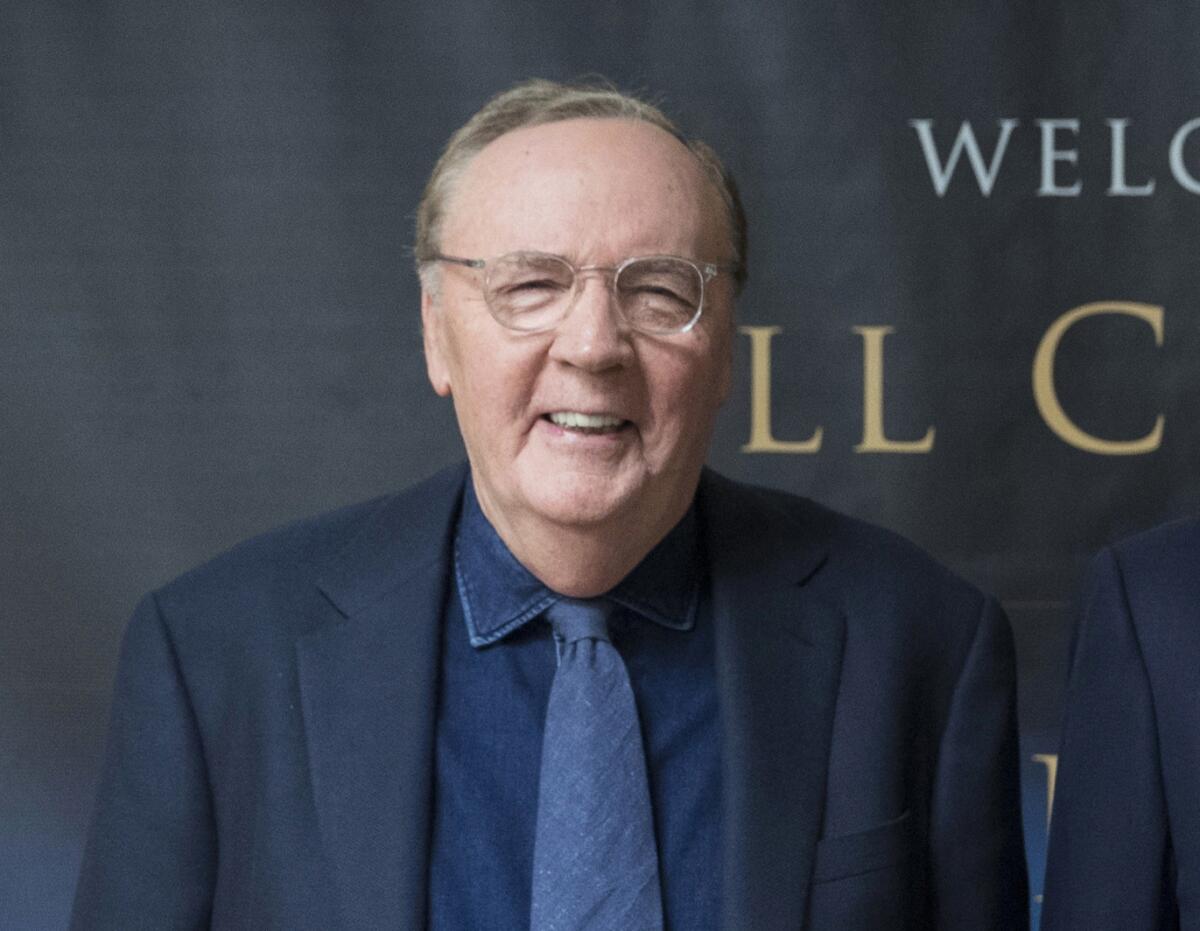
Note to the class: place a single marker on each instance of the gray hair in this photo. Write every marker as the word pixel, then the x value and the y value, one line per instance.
pixel 536 102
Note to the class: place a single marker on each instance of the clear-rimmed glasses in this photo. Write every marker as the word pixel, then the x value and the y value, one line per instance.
pixel 533 291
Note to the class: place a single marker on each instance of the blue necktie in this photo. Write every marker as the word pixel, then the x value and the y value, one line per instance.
pixel 595 864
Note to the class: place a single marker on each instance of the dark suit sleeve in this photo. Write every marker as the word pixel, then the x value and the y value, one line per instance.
pixel 1109 844
pixel 150 857
pixel 977 847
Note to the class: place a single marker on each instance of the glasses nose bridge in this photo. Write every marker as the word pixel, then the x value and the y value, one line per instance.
pixel 608 274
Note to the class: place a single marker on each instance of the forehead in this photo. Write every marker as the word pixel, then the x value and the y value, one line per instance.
pixel 591 189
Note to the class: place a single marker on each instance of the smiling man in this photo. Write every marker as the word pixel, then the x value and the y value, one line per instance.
pixel 581 682
pixel 587 396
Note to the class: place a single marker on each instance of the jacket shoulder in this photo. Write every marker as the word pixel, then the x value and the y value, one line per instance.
pixel 874 555
pixel 1171 544
pixel 274 575
pixel 1156 572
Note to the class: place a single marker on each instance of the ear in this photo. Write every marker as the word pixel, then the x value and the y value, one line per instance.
pixel 435 356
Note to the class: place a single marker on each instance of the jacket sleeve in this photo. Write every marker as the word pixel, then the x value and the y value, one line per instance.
pixel 150 858
pixel 977 848
pixel 1109 854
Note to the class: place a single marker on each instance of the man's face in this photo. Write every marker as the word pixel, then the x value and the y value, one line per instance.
pixel 595 191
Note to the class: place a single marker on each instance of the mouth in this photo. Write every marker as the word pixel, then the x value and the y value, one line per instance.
pixel 588 424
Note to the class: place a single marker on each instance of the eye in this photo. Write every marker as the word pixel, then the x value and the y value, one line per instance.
pixel 524 274
pixel 663 281
pixel 534 284
pixel 659 299
pixel 659 291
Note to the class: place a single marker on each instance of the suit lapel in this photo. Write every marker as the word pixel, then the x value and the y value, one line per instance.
pixel 779 650
pixel 368 689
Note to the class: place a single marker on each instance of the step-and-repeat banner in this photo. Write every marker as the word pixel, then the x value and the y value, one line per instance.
pixel 971 315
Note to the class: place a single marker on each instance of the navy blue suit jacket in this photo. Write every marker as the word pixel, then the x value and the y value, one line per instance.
pixel 271 747
pixel 1125 834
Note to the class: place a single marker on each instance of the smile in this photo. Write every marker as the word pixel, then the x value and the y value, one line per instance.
pixel 586 423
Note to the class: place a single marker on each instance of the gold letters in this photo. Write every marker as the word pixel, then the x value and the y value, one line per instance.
pixel 761 440
pixel 873 439
pixel 1047 398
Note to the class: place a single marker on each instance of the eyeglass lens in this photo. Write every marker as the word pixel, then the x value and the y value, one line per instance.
pixel 528 291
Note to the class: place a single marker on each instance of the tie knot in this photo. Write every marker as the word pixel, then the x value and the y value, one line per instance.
pixel 574 619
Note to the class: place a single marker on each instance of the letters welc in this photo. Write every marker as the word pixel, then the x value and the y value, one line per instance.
pixel 1054 151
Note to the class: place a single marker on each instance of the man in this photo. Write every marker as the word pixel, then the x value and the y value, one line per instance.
pixel 1125 837
pixel 584 683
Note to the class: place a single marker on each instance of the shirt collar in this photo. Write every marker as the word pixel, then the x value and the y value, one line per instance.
pixel 499 595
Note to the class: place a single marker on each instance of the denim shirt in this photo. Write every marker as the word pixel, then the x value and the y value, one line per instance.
pixel 498 661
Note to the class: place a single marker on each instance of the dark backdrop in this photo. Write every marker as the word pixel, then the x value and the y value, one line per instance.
pixel 208 319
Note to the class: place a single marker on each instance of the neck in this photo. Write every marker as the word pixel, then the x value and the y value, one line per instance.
pixel 586 561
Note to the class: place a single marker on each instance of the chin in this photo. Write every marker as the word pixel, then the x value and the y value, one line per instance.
pixel 582 500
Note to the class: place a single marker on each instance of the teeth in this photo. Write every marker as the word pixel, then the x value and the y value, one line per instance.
pixel 585 421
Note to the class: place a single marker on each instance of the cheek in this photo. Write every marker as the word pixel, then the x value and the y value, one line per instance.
pixel 494 388
pixel 685 394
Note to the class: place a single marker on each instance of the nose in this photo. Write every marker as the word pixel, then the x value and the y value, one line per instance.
pixel 593 336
